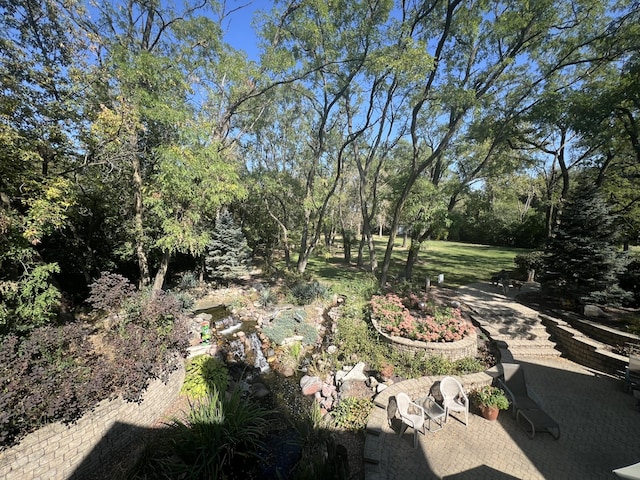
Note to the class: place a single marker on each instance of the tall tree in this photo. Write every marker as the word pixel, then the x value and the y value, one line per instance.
pixel 582 259
pixel 40 58
pixel 484 56
pixel 328 44
pixel 158 123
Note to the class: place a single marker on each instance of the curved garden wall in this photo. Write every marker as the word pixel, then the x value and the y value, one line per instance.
pixel 467 347
pixel 585 350
pixel 82 450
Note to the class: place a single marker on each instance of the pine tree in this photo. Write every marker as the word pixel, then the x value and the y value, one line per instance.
pixel 228 254
pixel 582 260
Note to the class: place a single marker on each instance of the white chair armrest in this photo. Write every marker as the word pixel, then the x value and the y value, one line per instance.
pixel 419 408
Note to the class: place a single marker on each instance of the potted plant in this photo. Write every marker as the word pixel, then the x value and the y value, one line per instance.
pixel 490 401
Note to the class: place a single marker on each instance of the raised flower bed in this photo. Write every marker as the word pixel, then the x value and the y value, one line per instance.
pixel 426 327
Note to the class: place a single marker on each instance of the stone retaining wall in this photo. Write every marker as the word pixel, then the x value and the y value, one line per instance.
pixel 605 334
pixel 583 349
pixel 81 450
pixel 467 347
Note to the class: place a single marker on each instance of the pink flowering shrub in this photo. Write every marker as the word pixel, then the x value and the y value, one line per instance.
pixel 433 324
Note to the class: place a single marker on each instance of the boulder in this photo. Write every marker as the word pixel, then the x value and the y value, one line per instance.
pixel 310 385
pixel 356 373
pixel 593 311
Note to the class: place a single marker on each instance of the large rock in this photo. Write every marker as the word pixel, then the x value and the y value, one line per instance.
pixel 310 385
pixel 356 373
pixel 593 311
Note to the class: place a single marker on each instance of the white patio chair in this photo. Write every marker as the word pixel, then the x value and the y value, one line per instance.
pixel 409 419
pixel 453 398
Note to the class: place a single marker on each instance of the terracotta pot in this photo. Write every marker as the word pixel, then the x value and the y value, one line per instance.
pixel 490 413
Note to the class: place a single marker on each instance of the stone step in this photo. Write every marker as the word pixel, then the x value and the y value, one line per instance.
pixel 374 438
pixel 527 336
pixel 509 322
pixel 504 333
pixel 525 352
pixel 505 313
pixel 373 448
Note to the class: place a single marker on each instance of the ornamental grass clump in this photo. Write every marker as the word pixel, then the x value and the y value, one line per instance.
pixel 433 324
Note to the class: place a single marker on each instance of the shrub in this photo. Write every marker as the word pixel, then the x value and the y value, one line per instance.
pixel 216 432
pixel 56 373
pixel 29 302
pixel 110 291
pixel 267 298
pixel 306 293
pixel 185 300
pixel 188 281
pixel 51 375
pixel 148 341
pixel 291 323
pixel 468 365
pixel 203 374
pixel 352 413
pixel 439 324
pixel 529 262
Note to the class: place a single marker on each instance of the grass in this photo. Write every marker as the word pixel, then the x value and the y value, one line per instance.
pixel 461 264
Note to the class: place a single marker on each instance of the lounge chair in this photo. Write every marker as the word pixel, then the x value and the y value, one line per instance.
pixel 630 472
pixel 525 406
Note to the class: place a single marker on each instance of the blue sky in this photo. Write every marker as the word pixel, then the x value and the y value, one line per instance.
pixel 239 31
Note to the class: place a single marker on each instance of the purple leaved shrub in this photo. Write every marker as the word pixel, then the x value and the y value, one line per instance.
pixel 57 373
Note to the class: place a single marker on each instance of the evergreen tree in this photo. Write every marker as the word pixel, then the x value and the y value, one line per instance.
pixel 582 259
pixel 227 256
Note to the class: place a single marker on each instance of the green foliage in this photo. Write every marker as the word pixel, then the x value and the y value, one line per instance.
pixel 188 281
pixel 630 280
pixel 582 260
pixel 268 298
pixel 467 365
pixel 185 300
pixel 291 323
pixel 203 374
pixel 217 431
pixel 227 256
pixel 352 413
pixel 356 338
pixel 307 293
pixel 529 261
pixel 30 302
pixel 490 396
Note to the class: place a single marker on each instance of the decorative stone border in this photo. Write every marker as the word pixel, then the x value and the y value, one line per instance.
pixel 467 347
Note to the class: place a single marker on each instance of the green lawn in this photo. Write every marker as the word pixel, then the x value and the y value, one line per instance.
pixel 461 264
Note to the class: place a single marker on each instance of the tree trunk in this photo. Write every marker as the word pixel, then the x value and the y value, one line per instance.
pixel 412 256
pixel 143 264
pixel 158 282
pixel 347 240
